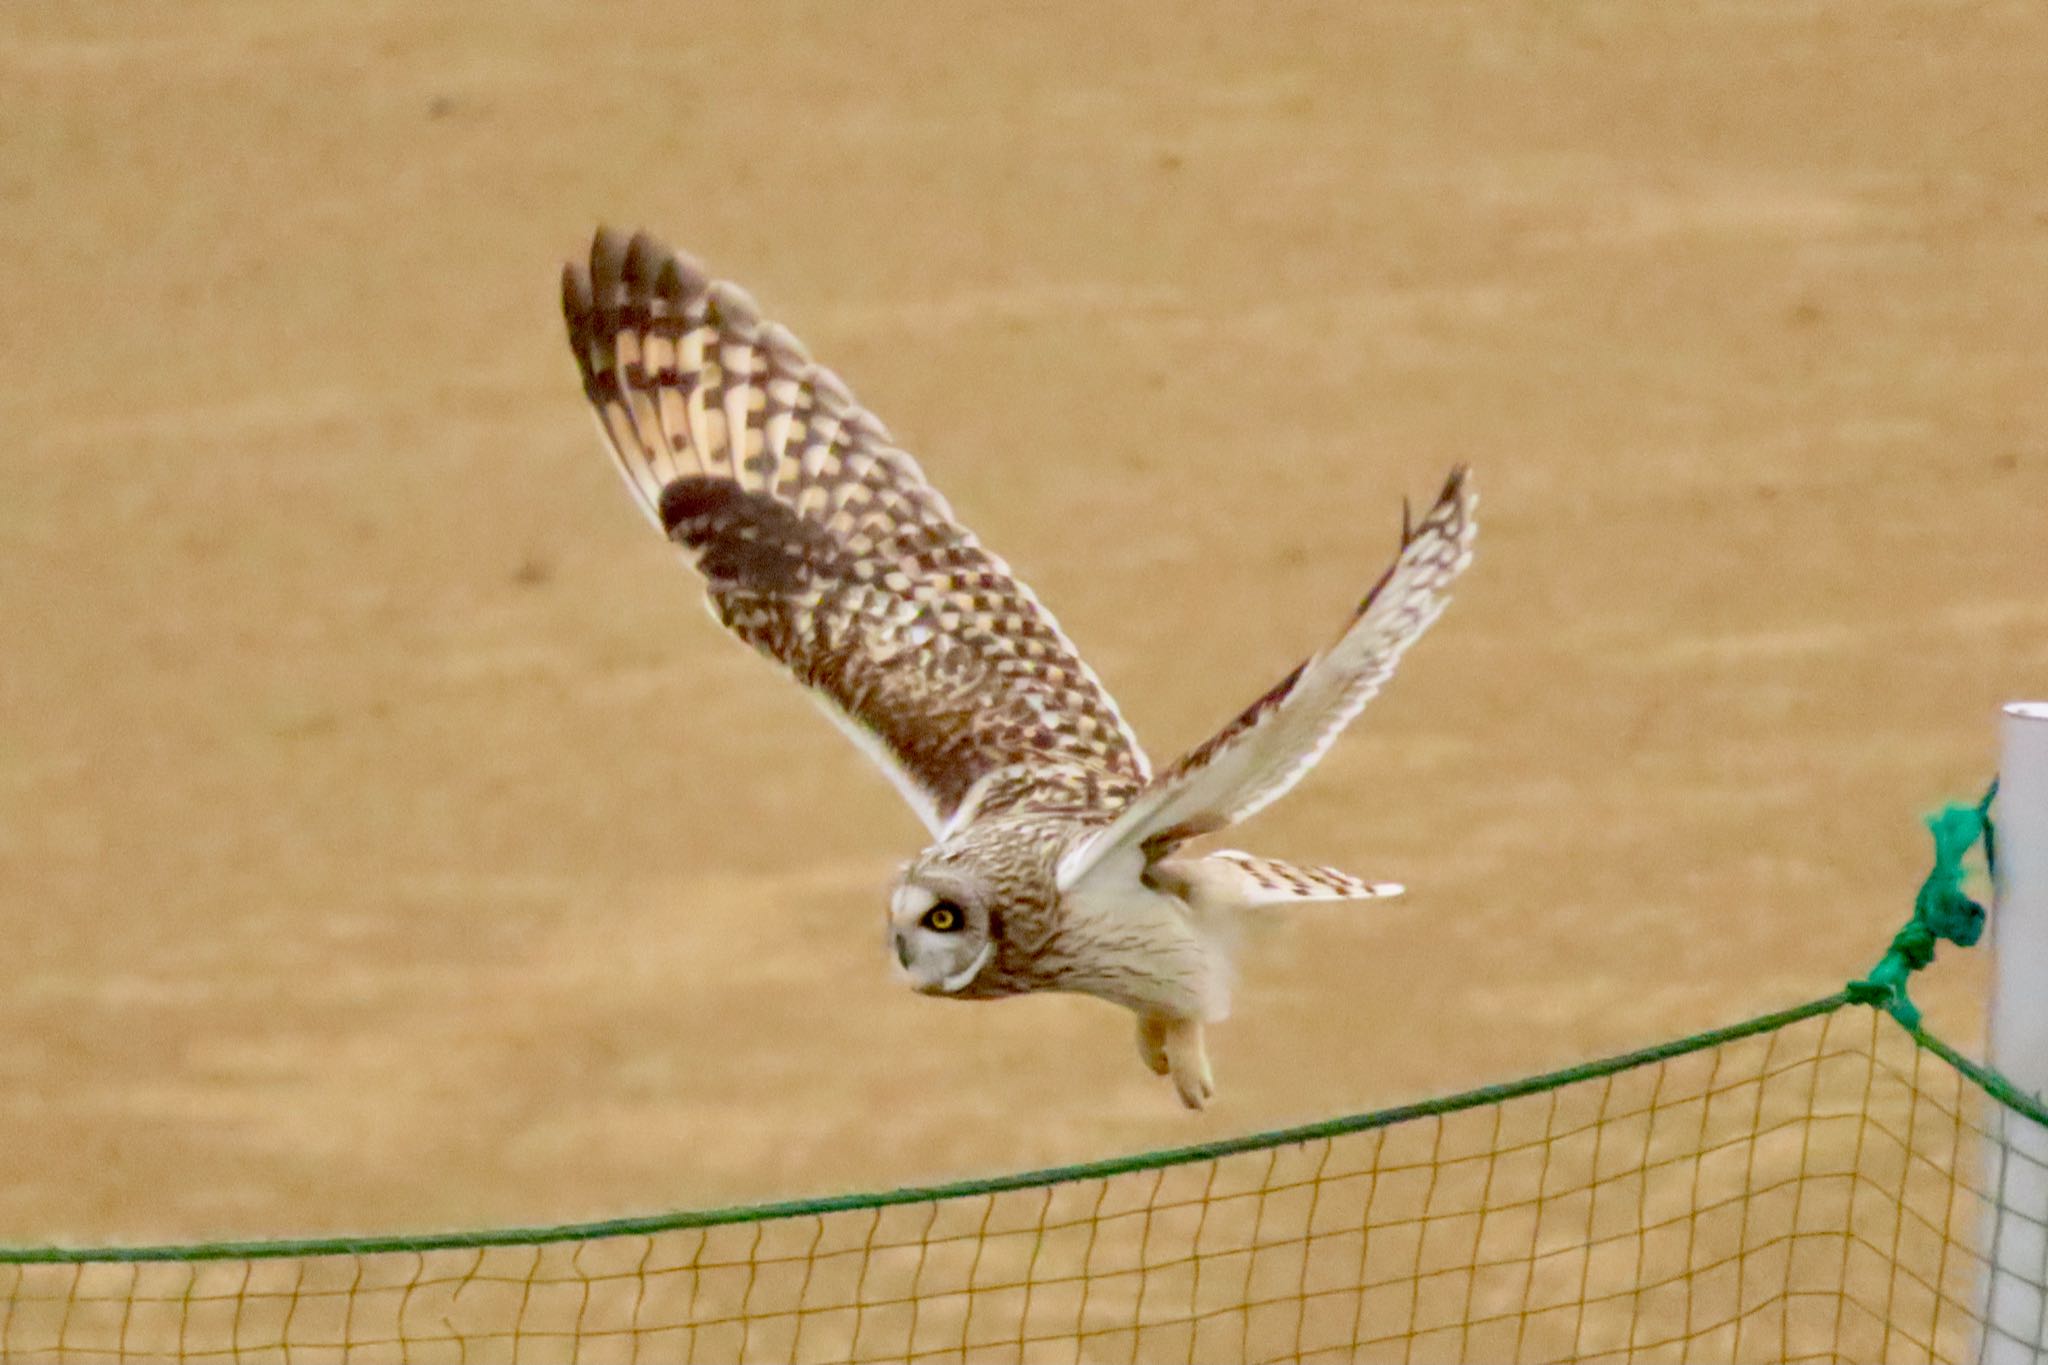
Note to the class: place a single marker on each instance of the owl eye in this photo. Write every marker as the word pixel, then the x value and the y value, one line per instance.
pixel 943 918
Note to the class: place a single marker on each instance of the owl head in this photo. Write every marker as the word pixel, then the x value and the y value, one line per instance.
pixel 942 929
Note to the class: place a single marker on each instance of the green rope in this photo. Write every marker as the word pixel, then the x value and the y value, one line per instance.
pixel 1993 1083
pixel 1940 911
pixel 1058 1175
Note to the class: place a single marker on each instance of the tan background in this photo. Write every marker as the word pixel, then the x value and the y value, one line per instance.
pixel 387 841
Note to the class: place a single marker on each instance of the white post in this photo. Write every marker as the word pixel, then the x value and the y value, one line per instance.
pixel 2016 1303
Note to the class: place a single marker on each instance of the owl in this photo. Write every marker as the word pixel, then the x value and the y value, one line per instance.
pixel 1059 859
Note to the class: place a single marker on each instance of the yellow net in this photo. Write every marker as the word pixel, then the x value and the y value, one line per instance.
pixel 1808 1186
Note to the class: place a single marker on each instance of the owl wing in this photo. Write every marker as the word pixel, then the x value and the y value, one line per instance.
pixel 1258 756
pixel 823 546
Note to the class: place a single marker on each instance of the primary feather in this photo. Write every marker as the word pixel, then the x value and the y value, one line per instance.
pixel 824 547
pixel 1270 745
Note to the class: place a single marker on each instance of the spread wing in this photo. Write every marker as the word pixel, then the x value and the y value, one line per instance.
pixel 822 546
pixel 1257 757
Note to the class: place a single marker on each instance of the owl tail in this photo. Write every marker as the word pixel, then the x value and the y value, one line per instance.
pixel 1219 884
pixel 1221 888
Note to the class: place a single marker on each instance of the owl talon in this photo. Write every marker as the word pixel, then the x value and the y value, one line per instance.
pixel 1188 1062
pixel 1196 1089
pixel 1152 1043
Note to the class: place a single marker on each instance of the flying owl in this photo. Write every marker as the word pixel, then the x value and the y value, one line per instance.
pixel 1057 860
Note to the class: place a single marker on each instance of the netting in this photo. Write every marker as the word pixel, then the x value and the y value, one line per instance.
pixel 1814 1185
pixel 1830 1182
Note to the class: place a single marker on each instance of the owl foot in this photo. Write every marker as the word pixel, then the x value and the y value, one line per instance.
pixel 1188 1062
pixel 1152 1042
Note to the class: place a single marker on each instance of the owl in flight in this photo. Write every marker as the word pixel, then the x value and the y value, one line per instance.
pixel 1057 859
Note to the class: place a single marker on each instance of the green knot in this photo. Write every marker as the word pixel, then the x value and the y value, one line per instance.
pixel 1941 912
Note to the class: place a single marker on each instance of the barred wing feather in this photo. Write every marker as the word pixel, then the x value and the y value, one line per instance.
pixel 1230 880
pixel 1257 757
pixel 823 546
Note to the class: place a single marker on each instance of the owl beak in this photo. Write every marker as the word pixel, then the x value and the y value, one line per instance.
pixel 903 951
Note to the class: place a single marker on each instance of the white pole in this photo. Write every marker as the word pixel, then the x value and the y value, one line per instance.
pixel 2016 1307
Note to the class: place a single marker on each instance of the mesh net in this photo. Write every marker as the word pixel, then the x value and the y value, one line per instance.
pixel 1817 1184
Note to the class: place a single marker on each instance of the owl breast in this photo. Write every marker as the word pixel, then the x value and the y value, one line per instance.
pixel 1132 946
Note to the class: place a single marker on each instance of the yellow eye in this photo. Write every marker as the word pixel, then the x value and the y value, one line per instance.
pixel 942 918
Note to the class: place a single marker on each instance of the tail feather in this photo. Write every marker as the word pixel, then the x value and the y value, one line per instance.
pixel 1234 880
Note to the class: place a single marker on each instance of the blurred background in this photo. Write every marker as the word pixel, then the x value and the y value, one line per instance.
pixel 388 841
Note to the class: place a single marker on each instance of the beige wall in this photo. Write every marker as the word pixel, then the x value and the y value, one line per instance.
pixel 387 840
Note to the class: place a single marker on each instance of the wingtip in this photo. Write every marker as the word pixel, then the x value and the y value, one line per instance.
pixel 608 248
pixel 642 264
pixel 1456 489
pixel 1458 500
pixel 1458 484
pixel 735 310
pixel 575 292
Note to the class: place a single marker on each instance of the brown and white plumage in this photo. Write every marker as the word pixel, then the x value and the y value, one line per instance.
pixel 1230 878
pixel 1272 743
pixel 823 546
